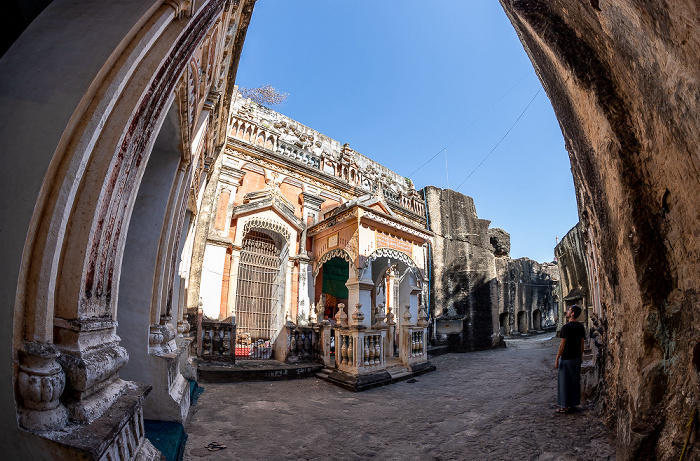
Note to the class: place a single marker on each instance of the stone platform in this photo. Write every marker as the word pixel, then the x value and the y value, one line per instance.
pixel 391 375
pixel 255 370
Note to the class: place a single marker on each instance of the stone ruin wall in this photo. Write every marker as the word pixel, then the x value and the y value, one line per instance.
pixel 624 80
pixel 474 279
pixel 573 271
pixel 527 288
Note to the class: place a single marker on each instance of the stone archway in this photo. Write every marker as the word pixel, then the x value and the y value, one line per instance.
pixel 79 188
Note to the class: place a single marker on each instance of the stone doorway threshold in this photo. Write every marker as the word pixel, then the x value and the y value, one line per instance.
pixel 393 374
pixel 255 370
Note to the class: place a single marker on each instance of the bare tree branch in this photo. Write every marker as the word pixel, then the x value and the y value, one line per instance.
pixel 266 95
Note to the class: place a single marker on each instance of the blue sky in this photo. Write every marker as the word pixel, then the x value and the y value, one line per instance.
pixel 401 80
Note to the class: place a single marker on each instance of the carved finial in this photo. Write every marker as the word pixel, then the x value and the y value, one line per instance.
pixel 390 316
pixel 358 317
pixel 422 317
pixel 380 315
pixel 341 317
pixel 407 314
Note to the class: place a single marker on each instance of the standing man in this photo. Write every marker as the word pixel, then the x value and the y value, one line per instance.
pixel 568 361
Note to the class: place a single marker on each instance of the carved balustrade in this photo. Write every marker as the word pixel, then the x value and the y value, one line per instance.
pixel 414 344
pixel 304 344
pixel 216 340
pixel 360 351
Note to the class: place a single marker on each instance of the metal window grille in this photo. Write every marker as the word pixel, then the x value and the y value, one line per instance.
pixel 259 295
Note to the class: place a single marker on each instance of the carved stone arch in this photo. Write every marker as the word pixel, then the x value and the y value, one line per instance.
pixel 266 224
pixel 335 253
pixel 193 93
pixel 394 254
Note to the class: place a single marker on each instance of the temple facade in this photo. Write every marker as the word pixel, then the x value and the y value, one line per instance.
pixel 306 231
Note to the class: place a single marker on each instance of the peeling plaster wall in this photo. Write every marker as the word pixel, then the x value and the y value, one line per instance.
pixel 624 81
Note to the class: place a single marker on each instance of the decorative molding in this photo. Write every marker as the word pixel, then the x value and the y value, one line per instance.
pixel 334 253
pixel 267 224
pixel 40 382
pixel 394 254
pixel 311 201
pixel 397 225
pixel 269 198
pixel 337 184
pixel 333 220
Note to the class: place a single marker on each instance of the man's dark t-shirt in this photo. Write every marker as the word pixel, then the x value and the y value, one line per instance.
pixel 573 332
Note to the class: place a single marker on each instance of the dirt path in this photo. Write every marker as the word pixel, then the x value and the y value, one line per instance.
pixel 490 405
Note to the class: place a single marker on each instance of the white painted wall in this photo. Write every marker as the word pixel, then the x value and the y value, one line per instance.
pixel 212 275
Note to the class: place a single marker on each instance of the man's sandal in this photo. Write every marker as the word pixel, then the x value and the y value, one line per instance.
pixel 563 411
pixel 215 446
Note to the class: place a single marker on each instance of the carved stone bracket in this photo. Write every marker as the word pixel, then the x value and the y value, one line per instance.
pixel 40 383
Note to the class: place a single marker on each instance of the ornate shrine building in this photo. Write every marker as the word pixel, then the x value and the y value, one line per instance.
pixel 310 232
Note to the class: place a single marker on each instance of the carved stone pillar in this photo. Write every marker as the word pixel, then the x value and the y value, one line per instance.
pixel 304 305
pixel 360 292
pixel 233 280
pixel 41 382
pixel 311 209
pixel 91 358
pixel 288 291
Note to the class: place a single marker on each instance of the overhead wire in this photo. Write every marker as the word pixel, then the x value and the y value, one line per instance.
pixel 470 125
pixel 501 140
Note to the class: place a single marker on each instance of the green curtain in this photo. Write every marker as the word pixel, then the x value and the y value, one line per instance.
pixel 335 274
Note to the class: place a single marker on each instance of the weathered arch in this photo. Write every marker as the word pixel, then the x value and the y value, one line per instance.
pixel 79 184
pixel 334 253
pixel 395 254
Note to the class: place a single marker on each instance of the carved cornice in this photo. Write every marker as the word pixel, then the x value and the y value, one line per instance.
pixel 402 226
pixel 333 220
pixel 289 167
pixel 274 201
pixel 312 201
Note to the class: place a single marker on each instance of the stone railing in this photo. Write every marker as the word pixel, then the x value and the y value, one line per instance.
pixel 414 344
pixel 304 344
pixel 360 351
pixel 298 154
pixel 216 340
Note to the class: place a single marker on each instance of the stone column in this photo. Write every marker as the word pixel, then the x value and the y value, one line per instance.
pixel 304 305
pixel 360 292
pixel 288 292
pixel 91 358
pixel 311 208
pixel 233 280
pixel 212 275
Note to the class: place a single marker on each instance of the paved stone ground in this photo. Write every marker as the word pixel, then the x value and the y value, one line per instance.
pixel 490 405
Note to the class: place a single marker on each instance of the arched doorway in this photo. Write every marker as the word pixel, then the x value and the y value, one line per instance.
pixel 258 311
pixel 504 322
pixel 536 320
pixel 333 291
pixel 522 322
